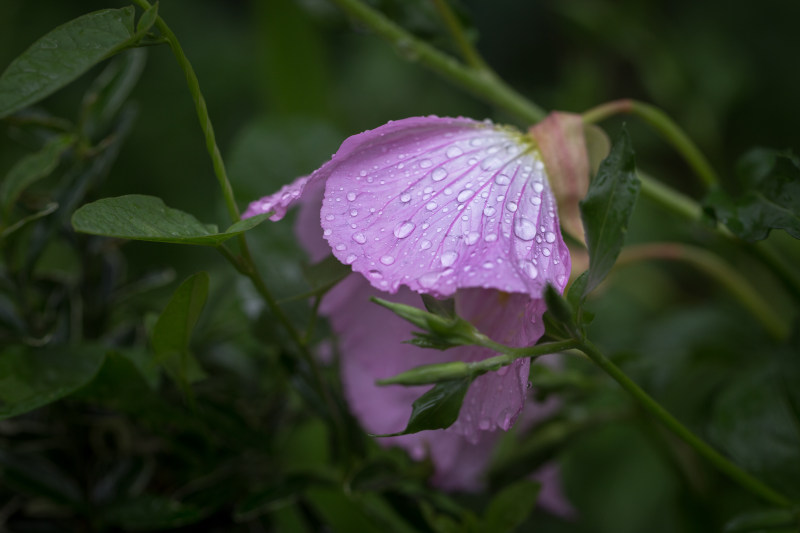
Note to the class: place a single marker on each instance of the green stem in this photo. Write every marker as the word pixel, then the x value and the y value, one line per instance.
pixel 480 82
pixel 665 126
pixel 509 354
pixel 716 268
pixel 468 51
pixel 202 113
pixel 713 456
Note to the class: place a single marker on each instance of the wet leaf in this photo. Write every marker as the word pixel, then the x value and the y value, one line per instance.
pixel 62 55
pixel 607 208
pixel 147 218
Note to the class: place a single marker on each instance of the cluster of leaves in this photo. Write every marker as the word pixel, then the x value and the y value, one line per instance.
pixel 122 408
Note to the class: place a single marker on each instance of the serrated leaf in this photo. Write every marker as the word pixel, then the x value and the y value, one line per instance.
pixel 771 198
pixel 62 55
pixel 30 169
pixel 173 330
pixel 438 408
pixel 31 378
pixel 511 506
pixel 147 218
pixel 607 208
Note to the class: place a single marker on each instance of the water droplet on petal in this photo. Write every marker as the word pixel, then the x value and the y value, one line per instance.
pixel 454 151
pixel 405 197
pixel 387 260
pixel 550 236
pixel 472 237
pixel 341 247
pixel 529 269
pixel 404 229
pixel 360 238
pixel 464 195
pixel 430 206
pixel 502 179
pixel 511 206
pixel 429 280
pixel 329 217
pixel 535 200
pixel 489 211
pixel 524 229
pixel 546 252
pixel 350 259
pixel 425 163
pixel 448 258
pixel 439 174
pixel 375 274
pixel 351 196
pixel 490 237
pixel 488 265
pixel 353 213
pixel 538 187
pixel 424 245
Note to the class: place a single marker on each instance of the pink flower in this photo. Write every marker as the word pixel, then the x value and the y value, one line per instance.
pixel 450 207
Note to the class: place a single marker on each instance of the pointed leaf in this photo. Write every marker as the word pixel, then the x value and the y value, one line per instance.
pixel 32 378
pixel 30 169
pixel 62 55
pixel 511 506
pixel 607 208
pixel 438 408
pixel 147 218
pixel 173 329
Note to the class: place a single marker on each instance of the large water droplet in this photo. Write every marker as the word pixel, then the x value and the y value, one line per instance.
pixel 489 211
pixel 550 236
pixel 502 179
pixel 430 206
pixel 535 200
pixel 360 238
pixel 424 245
pixel 425 163
pixel 464 195
pixel 405 197
pixel 404 229
pixel 375 274
pixel 529 269
pixel 351 196
pixel 511 206
pixel 538 187
pixel 439 174
pixel 454 151
pixel 524 229
pixel 350 259
pixel 329 217
pixel 490 237
pixel 387 260
pixel 429 280
pixel 341 247
pixel 448 258
pixel 472 237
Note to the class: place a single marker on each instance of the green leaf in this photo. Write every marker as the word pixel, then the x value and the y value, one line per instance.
pixel 771 198
pixel 147 218
pixel 52 207
pixel 31 473
pixel 607 208
pixel 770 519
pixel 147 20
pixel 323 276
pixel 30 169
pixel 31 378
pixel 511 506
pixel 62 55
pixel 173 329
pixel 438 408
pixel 152 512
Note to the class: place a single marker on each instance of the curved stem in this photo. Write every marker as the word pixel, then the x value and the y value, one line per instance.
pixel 481 82
pixel 653 407
pixel 715 267
pixel 468 51
pixel 202 113
pixel 663 124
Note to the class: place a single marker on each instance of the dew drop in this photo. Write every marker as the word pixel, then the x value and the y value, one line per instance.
pixel 341 247
pixel 488 265
pixel 535 200
pixel 477 141
pixel 490 237
pixel 329 217
pixel 429 280
pixel 360 238
pixel 550 236
pixel 375 274
pixel 489 211
pixel 351 196
pixel 524 229
pixel 464 195
pixel 538 187
pixel 404 229
pixel 439 174
pixel 350 259
pixel 448 258
pixel 424 245
pixel 529 269
pixel 387 260
pixel 546 252
pixel 405 197
pixel 430 206
pixel 454 151
pixel 502 179
pixel 472 237
pixel 511 206
pixel 425 163
pixel 353 213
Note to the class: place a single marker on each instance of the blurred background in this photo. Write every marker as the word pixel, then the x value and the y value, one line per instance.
pixel 285 82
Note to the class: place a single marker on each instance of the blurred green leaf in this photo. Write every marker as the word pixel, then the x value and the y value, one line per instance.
pixel 324 275
pixel 148 513
pixel 62 55
pixel 33 474
pixel 173 329
pixel 147 218
pixel 21 223
pixel 30 169
pixel 31 378
pixel 607 208
pixel 771 519
pixel 438 408
pixel 511 506
pixel 285 492
pixel 770 198
pixel 110 90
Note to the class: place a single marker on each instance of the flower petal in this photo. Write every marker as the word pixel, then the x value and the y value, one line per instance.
pixel 279 202
pixel 439 203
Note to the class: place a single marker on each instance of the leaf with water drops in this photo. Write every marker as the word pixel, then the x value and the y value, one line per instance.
pixel 438 204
